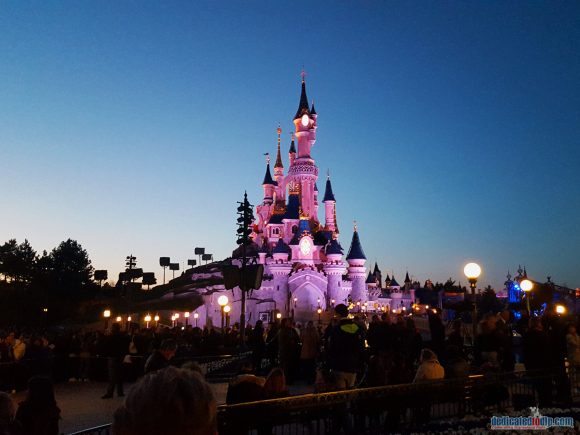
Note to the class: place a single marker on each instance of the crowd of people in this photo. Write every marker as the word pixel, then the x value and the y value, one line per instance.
pixel 350 351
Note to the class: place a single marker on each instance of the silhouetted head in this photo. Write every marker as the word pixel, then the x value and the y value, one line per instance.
pixel 40 391
pixel 170 401
pixel 341 310
pixel 276 381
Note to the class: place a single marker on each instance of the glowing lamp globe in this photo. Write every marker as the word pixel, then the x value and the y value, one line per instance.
pixel 526 285
pixel 186 314
pixel 472 270
pixel 148 318
pixel 107 314
pixel 195 315
pixel 227 309
pixel 129 319
pixel 278 315
pixel 223 300
pixel 305 120
pixel 118 319
pixel 560 309
pixel 319 311
pixel 156 318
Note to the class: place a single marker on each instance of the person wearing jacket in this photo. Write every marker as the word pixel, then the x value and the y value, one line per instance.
pixel 345 349
pixel 430 369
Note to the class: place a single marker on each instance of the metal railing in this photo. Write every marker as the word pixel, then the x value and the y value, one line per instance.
pixel 396 408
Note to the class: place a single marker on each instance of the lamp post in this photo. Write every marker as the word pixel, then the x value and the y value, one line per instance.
pixel 472 271
pixel 147 320
pixel 278 316
pixel 156 318
pixel 176 319
pixel 526 285
pixel 319 311
pixel 222 302
pixel 227 310
pixel 129 318
pixel 196 316
pixel 107 315
pixel 186 315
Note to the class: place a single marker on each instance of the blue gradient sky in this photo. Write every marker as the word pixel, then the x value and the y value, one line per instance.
pixel 452 129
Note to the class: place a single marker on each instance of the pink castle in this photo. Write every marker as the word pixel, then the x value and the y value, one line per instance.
pixel 305 268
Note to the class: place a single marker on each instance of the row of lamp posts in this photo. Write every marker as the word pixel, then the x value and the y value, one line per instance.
pixel 148 319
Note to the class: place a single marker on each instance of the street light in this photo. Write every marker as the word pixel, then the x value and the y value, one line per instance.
pixel 147 320
pixel 560 309
pixel 118 319
pixel 107 315
pixel 156 318
pixel 196 316
pixel 472 272
pixel 278 316
pixel 526 285
pixel 222 302
pixel 319 311
pixel 227 310
pixel 186 315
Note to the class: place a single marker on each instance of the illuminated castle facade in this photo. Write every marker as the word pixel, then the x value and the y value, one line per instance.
pixel 298 244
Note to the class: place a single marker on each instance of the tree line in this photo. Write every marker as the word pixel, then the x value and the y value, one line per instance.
pixel 43 288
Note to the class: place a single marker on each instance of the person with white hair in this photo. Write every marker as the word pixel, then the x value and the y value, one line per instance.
pixel 169 401
pixel 430 369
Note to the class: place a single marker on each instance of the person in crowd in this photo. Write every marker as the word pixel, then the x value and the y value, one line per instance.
pixel 116 347
pixel 536 347
pixel 160 358
pixel 456 365
pixel 573 347
pixel 455 338
pixel 257 344
pixel 38 413
pixel 429 369
pixel 272 342
pixel 171 401
pixel 8 425
pixel 288 349
pixel 245 387
pixel 309 352
pixel 345 349
pixel 437 332
pixel 275 386
pixel 487 345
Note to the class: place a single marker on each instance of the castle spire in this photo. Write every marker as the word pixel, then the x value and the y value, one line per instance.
pixel 268 177
pixel 355 252
pixel 292 146
pixel 278 163
pixel 313 110
pixel 328 194
pixel 303 106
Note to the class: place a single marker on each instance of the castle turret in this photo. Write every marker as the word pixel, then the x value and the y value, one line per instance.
pixel 378 275
pixel 407 282
pixel 303 171
pixel 292 151
pixel 268 184
pixel 329 208
pixel 357 271
pixel 280 191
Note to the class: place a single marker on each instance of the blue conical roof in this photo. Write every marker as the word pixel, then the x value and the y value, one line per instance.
pixel 268 177
pixel 394 282
pixel 371 278
pixel 281 248
pixel 334 247
pixel 328 195
pixel 355 252
pixel 292 147
pixel 303 105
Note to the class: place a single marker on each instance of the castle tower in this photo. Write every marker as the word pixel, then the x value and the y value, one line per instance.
pixel 303 171
pixel 378 275
pixel 356 269
pixel 292 151
pixel 329 208
pixel 280 191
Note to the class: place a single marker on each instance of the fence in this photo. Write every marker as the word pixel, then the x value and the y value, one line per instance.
pixel 408 407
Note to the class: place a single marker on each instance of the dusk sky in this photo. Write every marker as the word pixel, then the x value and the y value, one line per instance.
pixel 451 129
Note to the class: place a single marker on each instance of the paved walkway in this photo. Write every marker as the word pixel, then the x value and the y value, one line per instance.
pixel 82 407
